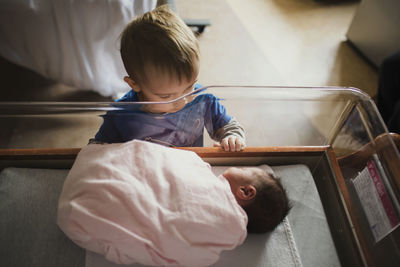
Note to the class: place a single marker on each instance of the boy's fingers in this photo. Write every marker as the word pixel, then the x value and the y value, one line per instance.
pixel 243 145
pixel 232 143
pixel 228 144
pixel 239 144
pixel 224 144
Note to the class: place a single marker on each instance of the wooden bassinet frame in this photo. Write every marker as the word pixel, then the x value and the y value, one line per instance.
pixel 352 243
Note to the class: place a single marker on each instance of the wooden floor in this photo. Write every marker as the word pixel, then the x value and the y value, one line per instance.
pixel 279 42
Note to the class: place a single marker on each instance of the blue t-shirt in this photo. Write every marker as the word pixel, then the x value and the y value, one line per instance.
pixel 182 128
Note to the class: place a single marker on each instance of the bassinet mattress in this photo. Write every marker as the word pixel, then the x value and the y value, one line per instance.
pixel 30 236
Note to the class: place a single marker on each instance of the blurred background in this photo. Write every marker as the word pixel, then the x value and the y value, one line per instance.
pixel 64 50
pixel 252 42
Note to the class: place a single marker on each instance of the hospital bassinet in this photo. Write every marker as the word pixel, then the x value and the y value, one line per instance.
pixel 329 145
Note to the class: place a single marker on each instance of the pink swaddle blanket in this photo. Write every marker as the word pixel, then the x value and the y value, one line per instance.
pixel 142 202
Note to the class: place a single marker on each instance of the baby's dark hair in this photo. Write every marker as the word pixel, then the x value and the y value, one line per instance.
pixel 270 206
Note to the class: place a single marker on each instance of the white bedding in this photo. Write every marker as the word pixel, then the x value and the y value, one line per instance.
pixel 303 239
pixel 276 249
pixel 140 202
pixel 72 42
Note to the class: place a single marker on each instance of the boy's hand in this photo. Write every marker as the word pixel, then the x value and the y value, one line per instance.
pixel 232 143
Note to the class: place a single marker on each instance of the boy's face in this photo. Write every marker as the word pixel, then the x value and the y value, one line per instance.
pixel 163 87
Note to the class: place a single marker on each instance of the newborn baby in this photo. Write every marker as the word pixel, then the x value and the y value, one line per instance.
pixel 146 203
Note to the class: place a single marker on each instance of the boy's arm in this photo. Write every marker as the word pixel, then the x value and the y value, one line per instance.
pixel 108 131
pixel 222 127
pixel 231 136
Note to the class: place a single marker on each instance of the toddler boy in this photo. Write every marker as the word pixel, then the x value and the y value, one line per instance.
pixel 161 56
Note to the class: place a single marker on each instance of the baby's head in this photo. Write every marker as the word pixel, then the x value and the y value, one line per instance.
pixel 161 56
pixel 261 195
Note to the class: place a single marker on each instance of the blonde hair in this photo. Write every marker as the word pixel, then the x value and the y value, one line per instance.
pixel 159 39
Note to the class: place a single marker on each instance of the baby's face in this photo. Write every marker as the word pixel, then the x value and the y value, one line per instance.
pixel 243 176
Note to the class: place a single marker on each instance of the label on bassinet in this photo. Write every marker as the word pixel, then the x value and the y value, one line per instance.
pixel 376 202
